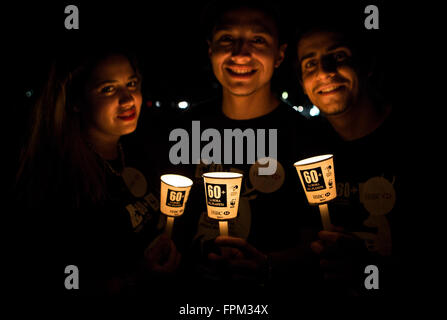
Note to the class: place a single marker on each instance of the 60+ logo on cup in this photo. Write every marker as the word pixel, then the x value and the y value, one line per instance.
pixel 222 191
pixel 317 177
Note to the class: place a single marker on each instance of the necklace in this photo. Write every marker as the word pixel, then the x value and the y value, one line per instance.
pixel 121 154
pixel 107 164
pixel 133 179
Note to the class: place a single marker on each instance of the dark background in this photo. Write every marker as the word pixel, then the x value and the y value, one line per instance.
pixel 169 40
pixel 173 52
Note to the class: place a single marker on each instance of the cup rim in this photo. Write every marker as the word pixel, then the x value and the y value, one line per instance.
pixel 186 179
pixel 313 160
pixel 231 175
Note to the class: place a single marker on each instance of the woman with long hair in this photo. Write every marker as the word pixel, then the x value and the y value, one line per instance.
pixel 94 198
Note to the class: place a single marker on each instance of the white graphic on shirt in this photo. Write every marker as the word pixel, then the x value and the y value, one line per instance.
pixel 136 217
pixel 139 209
pixel 378 196
pixel 267 183
pixel 135 181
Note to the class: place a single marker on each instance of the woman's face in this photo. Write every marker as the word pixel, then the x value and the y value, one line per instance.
pixel 113 99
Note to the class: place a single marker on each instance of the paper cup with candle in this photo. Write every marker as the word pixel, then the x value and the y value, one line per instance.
pixel 173 196
pixel 317 177
pixel 222 191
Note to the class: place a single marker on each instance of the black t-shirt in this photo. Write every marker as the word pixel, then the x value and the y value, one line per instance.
pixel 107 240
pixel 369 175
pixel 102 241
pixel 272 207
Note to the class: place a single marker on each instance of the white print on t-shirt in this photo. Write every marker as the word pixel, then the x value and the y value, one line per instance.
pixel 378 196
pixel 137 185
pixel 138 210
pixel 135 181
pixel 267 183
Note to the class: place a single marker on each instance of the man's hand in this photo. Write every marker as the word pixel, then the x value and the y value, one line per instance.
pixel 340 254
pixel 162 255
pixel 239 256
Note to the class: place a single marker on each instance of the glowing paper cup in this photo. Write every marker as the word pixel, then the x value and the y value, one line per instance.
pixel 317 178
pixel 173 196
pixel 222 191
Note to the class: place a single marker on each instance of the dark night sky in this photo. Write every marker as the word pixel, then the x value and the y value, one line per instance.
pixel 167 37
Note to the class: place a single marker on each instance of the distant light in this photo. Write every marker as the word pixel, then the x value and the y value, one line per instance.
pixel 183 104
pixel 29 93
pixel 158 104
pixel 314 111
pixel 298 108
pixel 285 95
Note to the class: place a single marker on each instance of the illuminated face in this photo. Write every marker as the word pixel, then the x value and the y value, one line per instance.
pixel 327 74
pixel 244 51
pixel 113 97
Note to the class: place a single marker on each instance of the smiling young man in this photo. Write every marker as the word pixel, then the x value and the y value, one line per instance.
pixel 246 46
pixel 333 80
pixel 362 132
pixel 244 50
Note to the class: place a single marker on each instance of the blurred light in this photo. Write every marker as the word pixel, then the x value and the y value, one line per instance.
pixel 149 103
pixel 285 95
pixel 29 93
pixel 183 104
pixel 158 104
pixel 300 109
pixel 295 108
pixel 314 111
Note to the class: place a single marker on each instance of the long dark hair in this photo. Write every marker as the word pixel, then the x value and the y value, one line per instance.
pixel 56 163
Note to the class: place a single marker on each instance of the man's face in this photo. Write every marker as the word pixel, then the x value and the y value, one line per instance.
pixel 244 51
pixel 328 76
